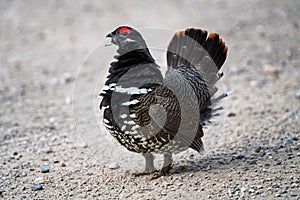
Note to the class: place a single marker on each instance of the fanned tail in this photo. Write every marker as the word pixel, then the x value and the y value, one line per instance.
pixel 203 55
pixel 186 48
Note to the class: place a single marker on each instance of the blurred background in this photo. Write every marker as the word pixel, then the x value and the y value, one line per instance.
pixel 51 70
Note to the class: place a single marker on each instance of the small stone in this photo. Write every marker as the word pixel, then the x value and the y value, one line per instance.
pixel 288 142
pixel 45 169
pixel 259 187
pixel 231 114
pixel 251 190
pixel 1 191
pixel 294 185
pixel 68 100
pixel 239 156
pixel 257 149
pixel 38 180
pixel 146 188
pixel 279 162
pixel 298 154
pixel 52 119
pixel 275 185
pixel 113 165
pixel 14 64
pixel 66 78
pixel 252 162
pixel 295 138
pixel 83 145
pixel 243 189
pixel 284 191
pixel 18 156
pixel 48 150
pixel 294 194
pixel 258 83
pixel 37 187
pixel 271 71
pixel 277 195
pixel 297 94
pixel 62 164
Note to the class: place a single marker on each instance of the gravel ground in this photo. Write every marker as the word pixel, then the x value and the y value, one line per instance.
pixel 54 148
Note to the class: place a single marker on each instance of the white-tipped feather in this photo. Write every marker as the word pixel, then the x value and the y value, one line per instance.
pixel 133 102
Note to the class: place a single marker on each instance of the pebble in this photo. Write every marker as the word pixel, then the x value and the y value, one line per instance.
pixel 37 187
pixel 297 94
pixel 288 142
pixel 258 83
pixel 14 64
pixel 38 180
pixel 52 119
pixel 163 193
pixel 231 114
pixel 294 194
pixel 251 190
pixel 68 100
pixel 66 78
pixel 113 165
pixel 294 185
pixel 146 188
pixel 257 149
pixel 275 185
pixel 271 71
pixel 239 156
pixel 83 145
pixel 298 154
pixel 1 191
pixel 45 169
pixel 252 162
pixel 48 150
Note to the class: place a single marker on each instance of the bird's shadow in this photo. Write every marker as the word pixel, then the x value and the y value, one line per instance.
pixel 213 162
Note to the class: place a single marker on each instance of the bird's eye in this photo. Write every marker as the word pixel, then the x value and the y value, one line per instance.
pixel 124 33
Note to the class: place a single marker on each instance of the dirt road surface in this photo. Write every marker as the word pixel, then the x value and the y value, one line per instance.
pixel 53 146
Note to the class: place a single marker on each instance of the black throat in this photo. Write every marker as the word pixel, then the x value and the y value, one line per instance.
pixel 136 68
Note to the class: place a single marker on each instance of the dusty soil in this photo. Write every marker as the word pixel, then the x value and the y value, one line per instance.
pixel 50 130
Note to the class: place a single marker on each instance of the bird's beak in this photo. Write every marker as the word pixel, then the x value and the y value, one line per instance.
pixel 109 35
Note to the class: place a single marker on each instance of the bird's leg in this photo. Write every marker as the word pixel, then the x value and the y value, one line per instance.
pixel 167 166
pixel 149 166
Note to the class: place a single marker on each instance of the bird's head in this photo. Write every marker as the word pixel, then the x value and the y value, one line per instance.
pixel 125 37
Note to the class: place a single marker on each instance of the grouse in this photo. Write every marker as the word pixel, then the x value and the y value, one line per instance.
pixel 148 113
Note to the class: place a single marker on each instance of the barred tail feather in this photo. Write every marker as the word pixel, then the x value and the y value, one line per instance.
pixel 194 49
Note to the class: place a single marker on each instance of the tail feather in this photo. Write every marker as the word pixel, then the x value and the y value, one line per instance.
pixel 202 55
pixel 185 48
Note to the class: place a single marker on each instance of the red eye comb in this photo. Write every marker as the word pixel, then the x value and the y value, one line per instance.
pixel 124 30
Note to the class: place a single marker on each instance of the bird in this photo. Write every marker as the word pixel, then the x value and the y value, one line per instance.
pixel 149 113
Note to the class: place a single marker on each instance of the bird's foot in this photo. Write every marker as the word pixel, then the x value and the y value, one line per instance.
pixel 145 173
pixel 163 172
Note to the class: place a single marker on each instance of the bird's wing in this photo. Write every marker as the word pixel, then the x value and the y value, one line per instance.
pixel 161 112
